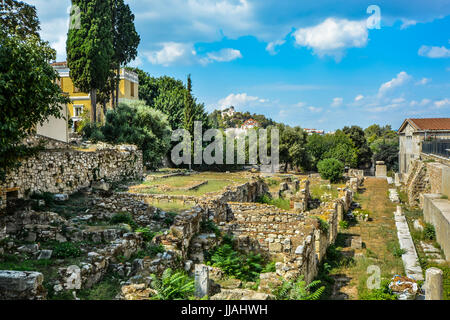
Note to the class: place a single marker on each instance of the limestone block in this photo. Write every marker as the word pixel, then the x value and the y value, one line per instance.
pixel 201 280
pixel 434 284
pixel 21 285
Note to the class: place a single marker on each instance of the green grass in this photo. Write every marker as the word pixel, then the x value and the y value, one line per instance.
pixel 174 206
pixel 281 203
pixel 216 183
pixel 318 190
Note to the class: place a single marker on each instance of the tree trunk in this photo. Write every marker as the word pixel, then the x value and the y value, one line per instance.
pixel 113 99
pixel 117 86
pixel 94 105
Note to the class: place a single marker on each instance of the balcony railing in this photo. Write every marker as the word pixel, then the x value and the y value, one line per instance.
pixel 437 147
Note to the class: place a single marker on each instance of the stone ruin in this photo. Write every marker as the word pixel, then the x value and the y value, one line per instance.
pixel 292 237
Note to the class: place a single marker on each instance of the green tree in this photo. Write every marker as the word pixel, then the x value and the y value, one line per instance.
pixel 364 154
pixel 28 90
pixel 136 123
pixel 90 48
pixel 19 18
pixel 188 112
pixel 331 169
pixel 125 41
pixel 293 146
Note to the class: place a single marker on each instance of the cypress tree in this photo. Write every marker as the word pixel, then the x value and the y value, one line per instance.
pixel 90 48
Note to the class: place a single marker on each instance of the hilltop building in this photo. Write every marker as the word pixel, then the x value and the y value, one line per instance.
pixel 250 124
pixel 228 112
pixel 312 131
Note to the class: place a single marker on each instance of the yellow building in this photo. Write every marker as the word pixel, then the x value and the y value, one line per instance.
pixel 81 101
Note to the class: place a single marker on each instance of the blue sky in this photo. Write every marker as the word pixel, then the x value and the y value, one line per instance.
pixel 315 64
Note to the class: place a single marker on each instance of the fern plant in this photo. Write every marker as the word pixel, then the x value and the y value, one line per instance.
pixel 172 285
pixel 299 290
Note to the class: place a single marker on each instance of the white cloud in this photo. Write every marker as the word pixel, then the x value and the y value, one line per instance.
pixel 300 104
pixel 398 100
pixel 337 102
pixel 55 32
pixel 333 36
pixel 314 109
pixel 272 46
pixel 442 103
pixel 239 100
pixel 423 81
pixel 399 80
pixel 407 23
pixel 224 55
pixel 171 53
pixel 136 62
pixel 359 97
pixel 434 52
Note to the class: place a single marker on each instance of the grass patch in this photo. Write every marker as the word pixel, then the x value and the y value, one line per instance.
pixel 278 202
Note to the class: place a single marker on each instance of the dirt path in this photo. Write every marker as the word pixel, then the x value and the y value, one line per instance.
pixel 378 236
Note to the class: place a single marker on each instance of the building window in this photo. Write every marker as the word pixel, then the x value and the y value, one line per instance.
pixel 77 110
pixel 132 89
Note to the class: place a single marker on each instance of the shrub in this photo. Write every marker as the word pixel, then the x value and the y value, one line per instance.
pixel 323 225
pixel 299 290
pixel 344 224
pixel 150 250
pixel 46 196
pixel 66 250
pixel 245 267
pixel 172 286
pixel 279 202
pixel 170 218
pixel 209 226
pixel 123 217
pixel 429 232
pixel 135 122
pixel 331 169
pixel 146 233
pixel 270 267
pixel 384 293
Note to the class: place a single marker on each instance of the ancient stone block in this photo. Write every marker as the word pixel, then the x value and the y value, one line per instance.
pixel 201 280
pixel 21 285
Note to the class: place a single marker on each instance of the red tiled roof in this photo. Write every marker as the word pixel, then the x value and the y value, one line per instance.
pixel 431 123
pixel 59 64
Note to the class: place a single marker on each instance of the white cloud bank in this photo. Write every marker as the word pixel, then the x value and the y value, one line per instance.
pixel 399 80
pixel 172 53
pixel 239 100
pixel 333 36
pixel 434 52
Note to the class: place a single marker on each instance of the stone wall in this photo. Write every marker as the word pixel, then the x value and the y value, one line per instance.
pixel 437 212
pixel 68 170
pixel 427 176
pixel 215 208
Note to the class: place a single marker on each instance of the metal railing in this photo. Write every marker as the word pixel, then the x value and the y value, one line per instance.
pixel 437 147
